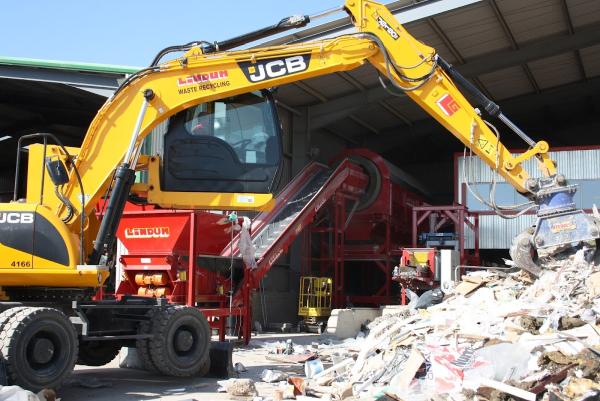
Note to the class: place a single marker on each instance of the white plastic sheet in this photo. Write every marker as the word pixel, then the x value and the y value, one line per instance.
pixel 16 393
pixel 247 249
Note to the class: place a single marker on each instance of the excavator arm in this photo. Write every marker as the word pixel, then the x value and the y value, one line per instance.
pixel 159 92
pixel 207 72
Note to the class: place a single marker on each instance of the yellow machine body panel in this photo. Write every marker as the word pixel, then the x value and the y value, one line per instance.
pixel 208 200
pixel 419 258
pixel 37 249
pixel 35 166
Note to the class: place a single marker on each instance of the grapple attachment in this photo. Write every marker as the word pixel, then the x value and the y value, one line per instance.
pixel 560 227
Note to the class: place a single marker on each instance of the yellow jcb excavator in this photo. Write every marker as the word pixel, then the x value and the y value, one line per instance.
pixel 221 151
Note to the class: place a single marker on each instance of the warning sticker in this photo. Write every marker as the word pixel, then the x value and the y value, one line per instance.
pixel 448 104
pixel 245 199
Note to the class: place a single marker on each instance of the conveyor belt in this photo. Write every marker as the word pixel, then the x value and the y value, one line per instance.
pixel 295 207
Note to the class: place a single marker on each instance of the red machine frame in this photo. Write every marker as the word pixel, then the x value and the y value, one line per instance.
pixel 161 256
pixel 372 236
pixel 459 216
pixel 456 215
pixel 167 255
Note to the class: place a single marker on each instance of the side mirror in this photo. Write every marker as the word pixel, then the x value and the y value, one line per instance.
pixel 57 171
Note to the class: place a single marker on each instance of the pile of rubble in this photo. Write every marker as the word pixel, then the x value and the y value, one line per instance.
pixel 497 336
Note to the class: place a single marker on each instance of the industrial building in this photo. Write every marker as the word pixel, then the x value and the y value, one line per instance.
pixel 538 59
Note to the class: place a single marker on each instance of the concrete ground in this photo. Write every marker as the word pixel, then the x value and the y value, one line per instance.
pixel 136 385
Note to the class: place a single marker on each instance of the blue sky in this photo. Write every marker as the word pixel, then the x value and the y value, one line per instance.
pixel 131 32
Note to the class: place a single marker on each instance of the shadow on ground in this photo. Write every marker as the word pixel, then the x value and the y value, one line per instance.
pixel 117 384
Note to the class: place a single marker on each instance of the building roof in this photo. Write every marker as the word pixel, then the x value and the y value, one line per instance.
pixel 67 65
pixel 534 57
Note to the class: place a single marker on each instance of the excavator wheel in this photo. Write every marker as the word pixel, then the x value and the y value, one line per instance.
pixel 143 346
pixel 180 345
pixel 97 353
pixel 7 314
pixel 204 369
pixel 39 348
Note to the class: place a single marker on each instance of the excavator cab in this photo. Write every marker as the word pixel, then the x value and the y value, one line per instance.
pixel 230 145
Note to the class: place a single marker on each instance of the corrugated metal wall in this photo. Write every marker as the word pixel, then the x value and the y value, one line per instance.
pixel 573 164
pixel 579 166
pixel 153 145
pixel 496 232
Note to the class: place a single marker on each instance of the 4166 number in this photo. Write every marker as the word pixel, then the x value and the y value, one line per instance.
pixel 21 263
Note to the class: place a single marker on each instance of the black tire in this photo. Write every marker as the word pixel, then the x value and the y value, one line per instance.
pixel 143 346
pixel 7 314
pixel 204 369
pixel 180 345
pixel 39 347
pixel 97 353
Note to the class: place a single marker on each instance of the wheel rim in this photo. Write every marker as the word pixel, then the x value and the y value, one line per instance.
pixel 40 350
pixel 185 341
pixel 45 350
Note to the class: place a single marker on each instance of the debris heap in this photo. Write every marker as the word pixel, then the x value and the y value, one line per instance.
pixel 497 336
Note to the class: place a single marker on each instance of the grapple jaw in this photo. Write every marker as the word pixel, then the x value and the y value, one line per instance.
pixel 521 252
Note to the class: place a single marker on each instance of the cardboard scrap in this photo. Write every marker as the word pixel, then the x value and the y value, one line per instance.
pixel 577 387
pixel 469 284
pixel 467 287
pixel 445 350
pixel 413 363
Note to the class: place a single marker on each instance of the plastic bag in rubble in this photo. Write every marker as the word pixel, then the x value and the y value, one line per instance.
pixel 246 246
pixel 502 362
pixel 16 393
pixel 445 367
pixel 429 298
pixel 273 376
pixel 414 298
